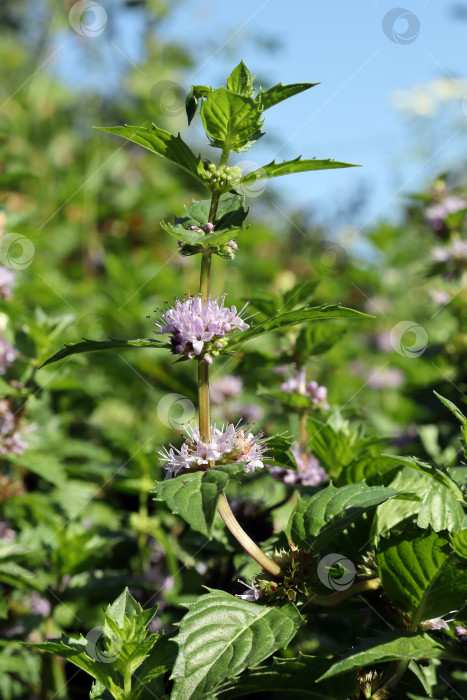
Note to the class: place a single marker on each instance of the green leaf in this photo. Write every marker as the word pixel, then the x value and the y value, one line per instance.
pixel 284 676
pixel 232 121
pixel 437 473
pixel 414 486
pixel 292 318
pixel 221 636
pixel 440 509
pixel 280 92
pixel 288 167
pixel 194 495
pixel 163 143
pixel 421 575
pixel 453 408
pixel 317 339
pixel 110 344
pixel 293 399
pixel 315 521
pixel 459 543
pixel 76 651
pixel 389 646
pixel 303 291
pixel 241 80
pixel 47 466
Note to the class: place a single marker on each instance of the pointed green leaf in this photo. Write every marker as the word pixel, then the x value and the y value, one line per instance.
pixel 241 80
pixel 164 144
pixel 421 574
pixel 110 344
pixel 288 167
pixel 318 338
pixel 315 521
pixel 437 473
pixel 232 121
pixel 280 92
pixel 453 408
pixel 194 495
pixel 303 291
pixel 221 636
pixel 390 646
pixel 440 509
pixel 292 318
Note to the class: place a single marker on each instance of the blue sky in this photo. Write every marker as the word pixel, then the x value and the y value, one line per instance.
pixel 349 116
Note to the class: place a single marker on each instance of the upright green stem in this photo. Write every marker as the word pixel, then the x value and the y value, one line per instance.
pixel 303 430
pixel 204 407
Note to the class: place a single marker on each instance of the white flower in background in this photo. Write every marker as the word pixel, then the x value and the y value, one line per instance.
pixel 7 280
pixel 10 439
pixel 310 472
pixel 426 100
pixel 226 387
pixel 8 355
pixel 199 327
pixel 455 252
pixel 229 445
pixel 297 383
pixel 437 213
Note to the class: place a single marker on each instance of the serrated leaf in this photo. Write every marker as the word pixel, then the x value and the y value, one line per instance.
pixel 241 80
pixel 421 575
pixel 315 521
pixel 221 636
pixel 440 509
pixel 194 496
pixel 280 92
pixel 111 344
pixel 292 318
pixel 232 121
pixel 453 408
pixel 163 143
pixel 76 651
pixel 289 167
pixel 436 473
pixel 459 543
pixel 389 646
pixel 414 485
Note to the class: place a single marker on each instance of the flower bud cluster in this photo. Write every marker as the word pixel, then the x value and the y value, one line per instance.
pixel 298 567
pixel 224 177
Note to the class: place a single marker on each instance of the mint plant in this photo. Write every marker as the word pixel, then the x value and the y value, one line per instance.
pixel 396 523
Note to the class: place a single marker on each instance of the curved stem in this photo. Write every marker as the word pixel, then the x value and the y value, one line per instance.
pixel 247 543
pixel 330 601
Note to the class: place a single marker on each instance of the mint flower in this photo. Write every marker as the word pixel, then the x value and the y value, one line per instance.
pixel 317 394
pixel 229 445
pixel 10 439
pixel 8 355
pixel 199 327
pixel 310 472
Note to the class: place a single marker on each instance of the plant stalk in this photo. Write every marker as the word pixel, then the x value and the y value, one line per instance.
pixel 330 601
pixel 204 408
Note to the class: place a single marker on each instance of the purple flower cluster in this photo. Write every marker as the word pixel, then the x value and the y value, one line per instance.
pixel 310 472
pixel 10 439
pixel 8 355
pixel 7 279
pixel 297 383
pixel 199 327
pixel 437 213
pixel 225 388
pixel 229 445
